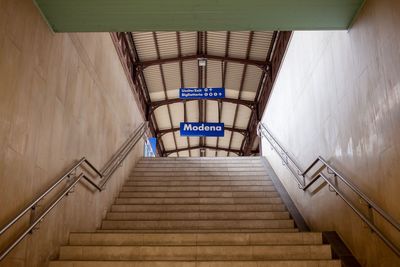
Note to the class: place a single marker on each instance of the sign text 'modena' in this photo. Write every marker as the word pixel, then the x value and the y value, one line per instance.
pixel 202 129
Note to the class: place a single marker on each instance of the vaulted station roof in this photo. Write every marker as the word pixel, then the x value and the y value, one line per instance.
pixel 162 62
pixel 235 60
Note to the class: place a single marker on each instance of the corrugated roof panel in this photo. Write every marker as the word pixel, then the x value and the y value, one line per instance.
pixel 172 79
pixel 145 45
pixel 193 111
pixel 234 73
pixel 184 153
pixel 153 79
pixel 228 113
pixel 252 78
pixel 238 44
pixel 224 141
pixel 167 44
pixel 181 141
pixel 195 152
pixel 211 141
pixel 216 43
pixel 248 95
pixel 214 73
pixel 157 96
pixel 194 141
pixel 243 117
pixel 260 46
pixel 212 111
pixel 162 117
pixel 188 43
pixel 222 153
pixel 177 114
pixel 190 73
pixel 168 140
pixel 236 141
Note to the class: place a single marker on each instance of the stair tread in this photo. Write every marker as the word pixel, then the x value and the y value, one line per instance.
pixel 194 238
pixel 150 263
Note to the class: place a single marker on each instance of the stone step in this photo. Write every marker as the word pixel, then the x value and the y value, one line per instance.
pixel 230 188
pixel 200 253
pixel 196 183
pixel 201 159
pixel 224 230
pixel 197 165
pixel 199 200
pixel 199 169
pixel 196 215
pixel 274 263
pixel 200 178
pixel 200 207
pixel 199 173
pixel 196 224
pixel 191 239
pixel 199 194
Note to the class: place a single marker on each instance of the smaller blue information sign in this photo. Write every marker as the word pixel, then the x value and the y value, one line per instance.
pixel 201 93
pixel 202 129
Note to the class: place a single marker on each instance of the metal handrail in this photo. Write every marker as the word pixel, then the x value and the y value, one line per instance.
pixel 301 178
pixel 105 174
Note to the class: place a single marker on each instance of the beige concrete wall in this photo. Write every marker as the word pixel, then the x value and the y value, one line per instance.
pixel 62 96
pixel 338 95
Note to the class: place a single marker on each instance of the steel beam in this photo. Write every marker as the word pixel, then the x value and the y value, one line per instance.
pixel 260 64
pixel 168 152
pixel 280 47
pixel 247 103
pixel 175 129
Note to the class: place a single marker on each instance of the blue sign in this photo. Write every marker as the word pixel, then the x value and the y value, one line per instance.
pixel 153 143
pixel 201 93
pixel 202 129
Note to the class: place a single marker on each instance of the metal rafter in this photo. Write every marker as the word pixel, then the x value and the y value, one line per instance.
pixel 260 86
pixel 249 44
pixel 260 64
pixel 223 76
pixel 205 85
pixel 164 85
pixel 280 46
pixel 202 147
pixel 128 55
pixel 175 129
pixel 142 83
pixel 248 103
pixel 178 40
pixel 200 83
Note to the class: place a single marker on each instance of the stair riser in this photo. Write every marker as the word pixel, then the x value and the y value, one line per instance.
pixel 197 183
pixel 193 173
pixel 196 239
pixel 195 253
pixel 207 224
pixel 178 201
pixel 200 169
pixel 198 165
pixel 197 231
pixel 197 194
pixel 199 178
pixel 315 263
pixel 238 188
pixel 198 216
pixel 194 208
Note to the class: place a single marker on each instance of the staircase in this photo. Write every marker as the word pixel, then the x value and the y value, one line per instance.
pixel 187 212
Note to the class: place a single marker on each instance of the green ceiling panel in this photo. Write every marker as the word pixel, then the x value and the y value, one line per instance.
pixel 210 15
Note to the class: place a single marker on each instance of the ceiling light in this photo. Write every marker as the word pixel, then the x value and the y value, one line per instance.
pixel 202 62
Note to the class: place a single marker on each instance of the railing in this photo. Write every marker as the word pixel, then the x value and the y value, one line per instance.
pixel 72 177
pixel 304 181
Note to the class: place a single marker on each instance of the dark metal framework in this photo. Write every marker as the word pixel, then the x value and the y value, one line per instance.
pixel 126 48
